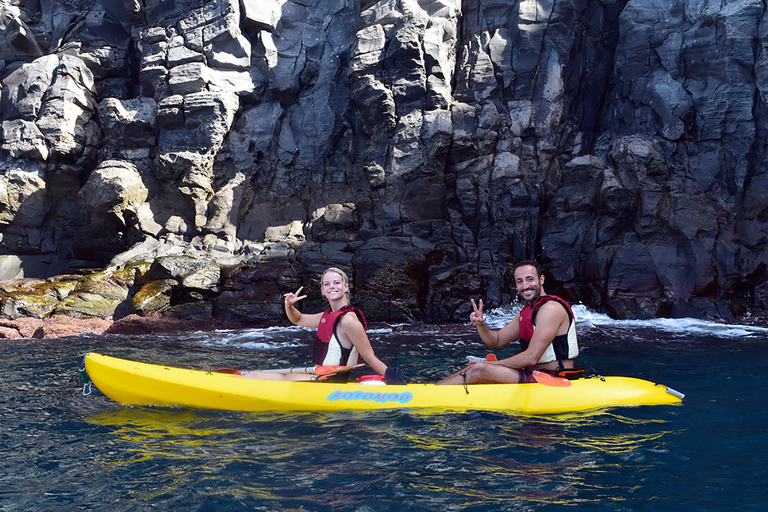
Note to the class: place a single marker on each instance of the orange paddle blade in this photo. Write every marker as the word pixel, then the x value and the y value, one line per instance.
pixel 491 357
pixel 230 371
pixel 550 380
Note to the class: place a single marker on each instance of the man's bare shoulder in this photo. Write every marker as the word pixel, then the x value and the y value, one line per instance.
pixel 552 309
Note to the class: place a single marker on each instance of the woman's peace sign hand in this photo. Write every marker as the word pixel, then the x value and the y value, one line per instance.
pixel 293 298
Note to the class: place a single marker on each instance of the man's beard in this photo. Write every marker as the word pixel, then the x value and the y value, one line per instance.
pixel 536 295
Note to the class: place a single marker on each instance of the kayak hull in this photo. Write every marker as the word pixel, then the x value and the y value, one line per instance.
pixel 135 383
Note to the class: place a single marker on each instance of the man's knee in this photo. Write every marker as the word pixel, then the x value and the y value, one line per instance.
pixel 478 372
pixel 491 373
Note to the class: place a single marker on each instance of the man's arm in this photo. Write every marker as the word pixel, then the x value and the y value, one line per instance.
pixel 550 320
pixel 504 336
pixel 494 339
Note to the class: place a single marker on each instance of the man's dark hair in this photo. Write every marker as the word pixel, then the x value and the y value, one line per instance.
pixel 525 263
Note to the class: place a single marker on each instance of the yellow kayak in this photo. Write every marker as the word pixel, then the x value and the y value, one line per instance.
pixel 134 383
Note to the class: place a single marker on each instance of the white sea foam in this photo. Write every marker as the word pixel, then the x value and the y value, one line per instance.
pixel 271 338
pixel 499 317
pixel 255 339
pixel 673 325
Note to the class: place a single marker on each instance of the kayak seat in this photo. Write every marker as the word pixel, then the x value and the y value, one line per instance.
pixel 571 373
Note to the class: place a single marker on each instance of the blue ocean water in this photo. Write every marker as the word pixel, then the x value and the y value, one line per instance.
pixel 60 450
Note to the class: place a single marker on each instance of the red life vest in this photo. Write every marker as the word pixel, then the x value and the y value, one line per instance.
pixel 562 347
pixel 328 350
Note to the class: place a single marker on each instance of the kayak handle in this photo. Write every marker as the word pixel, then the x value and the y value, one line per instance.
pixel 674 393
pixel 86 379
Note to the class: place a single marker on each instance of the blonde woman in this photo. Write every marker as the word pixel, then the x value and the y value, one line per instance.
pixel 341 338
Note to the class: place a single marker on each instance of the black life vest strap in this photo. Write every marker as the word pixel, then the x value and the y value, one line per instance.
pixel 538 306
pixel 346 310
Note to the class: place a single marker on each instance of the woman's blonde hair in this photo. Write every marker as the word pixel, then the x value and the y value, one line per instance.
pixel 344 279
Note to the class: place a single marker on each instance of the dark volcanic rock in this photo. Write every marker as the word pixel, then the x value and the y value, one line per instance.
pixel 425 147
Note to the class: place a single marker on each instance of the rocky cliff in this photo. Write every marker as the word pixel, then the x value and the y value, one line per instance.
pixel 200 158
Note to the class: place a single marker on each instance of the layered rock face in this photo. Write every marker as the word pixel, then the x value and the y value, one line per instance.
pixel 209 156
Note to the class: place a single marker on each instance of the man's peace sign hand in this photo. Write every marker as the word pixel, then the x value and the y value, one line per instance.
pixel 476 317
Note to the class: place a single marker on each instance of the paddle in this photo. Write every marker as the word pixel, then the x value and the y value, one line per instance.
pixel 550 380
pixel 317 370
pixel 489 357
pixel 541 377
pixel 230 371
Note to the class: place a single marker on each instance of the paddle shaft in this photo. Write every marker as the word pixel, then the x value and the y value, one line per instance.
pixel 317 370
pixel 300 369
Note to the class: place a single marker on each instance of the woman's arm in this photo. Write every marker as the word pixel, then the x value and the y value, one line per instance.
pixel 351 330
pixel 297 317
